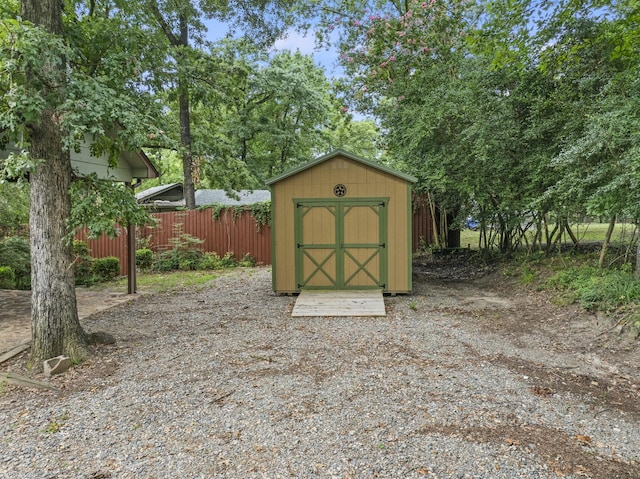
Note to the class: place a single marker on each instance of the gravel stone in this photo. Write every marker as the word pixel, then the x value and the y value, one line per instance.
pixel 220 381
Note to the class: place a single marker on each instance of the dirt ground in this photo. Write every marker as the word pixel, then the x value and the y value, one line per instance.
pixel 559 349
pixel 527 317
pixel 15 312
pixel 587 354
pixel 604 351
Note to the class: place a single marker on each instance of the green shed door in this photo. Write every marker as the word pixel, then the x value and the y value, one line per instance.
pixel 341 244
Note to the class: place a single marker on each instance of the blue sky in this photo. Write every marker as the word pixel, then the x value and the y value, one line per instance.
pixel 306 45
pixel 294 41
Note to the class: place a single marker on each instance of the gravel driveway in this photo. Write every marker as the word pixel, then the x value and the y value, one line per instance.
pixel 460 380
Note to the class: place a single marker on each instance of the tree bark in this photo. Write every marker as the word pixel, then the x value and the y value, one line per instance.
pixel 607 240
pixel 180 43
pixel 637 272
pixel 55 326
pixel 185 117
pixel 569 231
pixel 185 140
pixel 432 209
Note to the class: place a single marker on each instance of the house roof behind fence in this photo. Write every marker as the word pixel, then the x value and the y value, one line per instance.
pixel 160 192
pixel 242 197
pixel 164 197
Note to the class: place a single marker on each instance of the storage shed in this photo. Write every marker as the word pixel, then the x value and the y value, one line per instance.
pixel 341 222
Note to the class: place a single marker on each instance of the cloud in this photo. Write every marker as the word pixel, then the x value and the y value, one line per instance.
pixel 305 44
pixel 296 41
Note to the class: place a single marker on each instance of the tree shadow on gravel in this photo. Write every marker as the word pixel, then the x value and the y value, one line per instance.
pixel 563 454
pixel 528 320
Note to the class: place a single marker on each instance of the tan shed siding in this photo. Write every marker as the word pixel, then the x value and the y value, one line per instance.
pixel 361 182
pixel 397 227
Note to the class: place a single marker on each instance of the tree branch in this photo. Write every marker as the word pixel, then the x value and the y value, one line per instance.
pixel 155 10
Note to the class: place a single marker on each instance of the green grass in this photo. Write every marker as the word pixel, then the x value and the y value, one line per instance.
pixel 601 289
pixel 585 232
pixel 596 232
pixel 162 282
pixel 574 278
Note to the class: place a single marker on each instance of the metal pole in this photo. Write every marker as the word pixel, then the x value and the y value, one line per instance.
pixel 131 256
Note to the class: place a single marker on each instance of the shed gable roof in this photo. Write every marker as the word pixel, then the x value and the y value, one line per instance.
pixel 350 156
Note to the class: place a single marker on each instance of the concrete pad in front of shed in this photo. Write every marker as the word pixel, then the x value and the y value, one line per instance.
pixel 339 303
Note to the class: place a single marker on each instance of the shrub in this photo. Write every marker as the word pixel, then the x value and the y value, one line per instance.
pixel 185 254
pixel 165 261
pixel 80 248
pixel 144 243
pixel 107 268
pixel 14 252
pixel 144 259
pixel 189 259
pixel 247 261
pixel 209 261
pixel 7 278
pixel 82 262
pixel 228 261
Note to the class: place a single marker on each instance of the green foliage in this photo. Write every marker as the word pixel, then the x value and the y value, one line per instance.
pixel 190 260
pixel 361 137
pixel 144 259
pixel 103 205
pixel 88 270
pixel 595 288
pixel 81 249
pixel 165 261
pixel 14 253
pixel 94 66
pixel 181 259
pixel 7 278
pixel 24 48
pixel 527 275
pixel 187 251
pixel 14 208
pixel 228 261
pixel 82 262
pixel 210 260
pixel 261 212
pixel 107 268
pixel 520 127
pixel 184 253
pixel 247 261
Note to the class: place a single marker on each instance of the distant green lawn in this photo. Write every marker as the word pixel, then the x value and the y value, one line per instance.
pixel 585 232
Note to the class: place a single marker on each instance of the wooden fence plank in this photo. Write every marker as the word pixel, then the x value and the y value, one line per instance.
pixel 240 235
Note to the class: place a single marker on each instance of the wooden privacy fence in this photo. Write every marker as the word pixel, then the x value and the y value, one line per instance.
pixel 237 233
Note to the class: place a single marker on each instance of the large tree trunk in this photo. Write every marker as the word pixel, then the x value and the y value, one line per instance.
pixel 185 118
pixel 185 139
pixel 54 318
pixel 180 42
